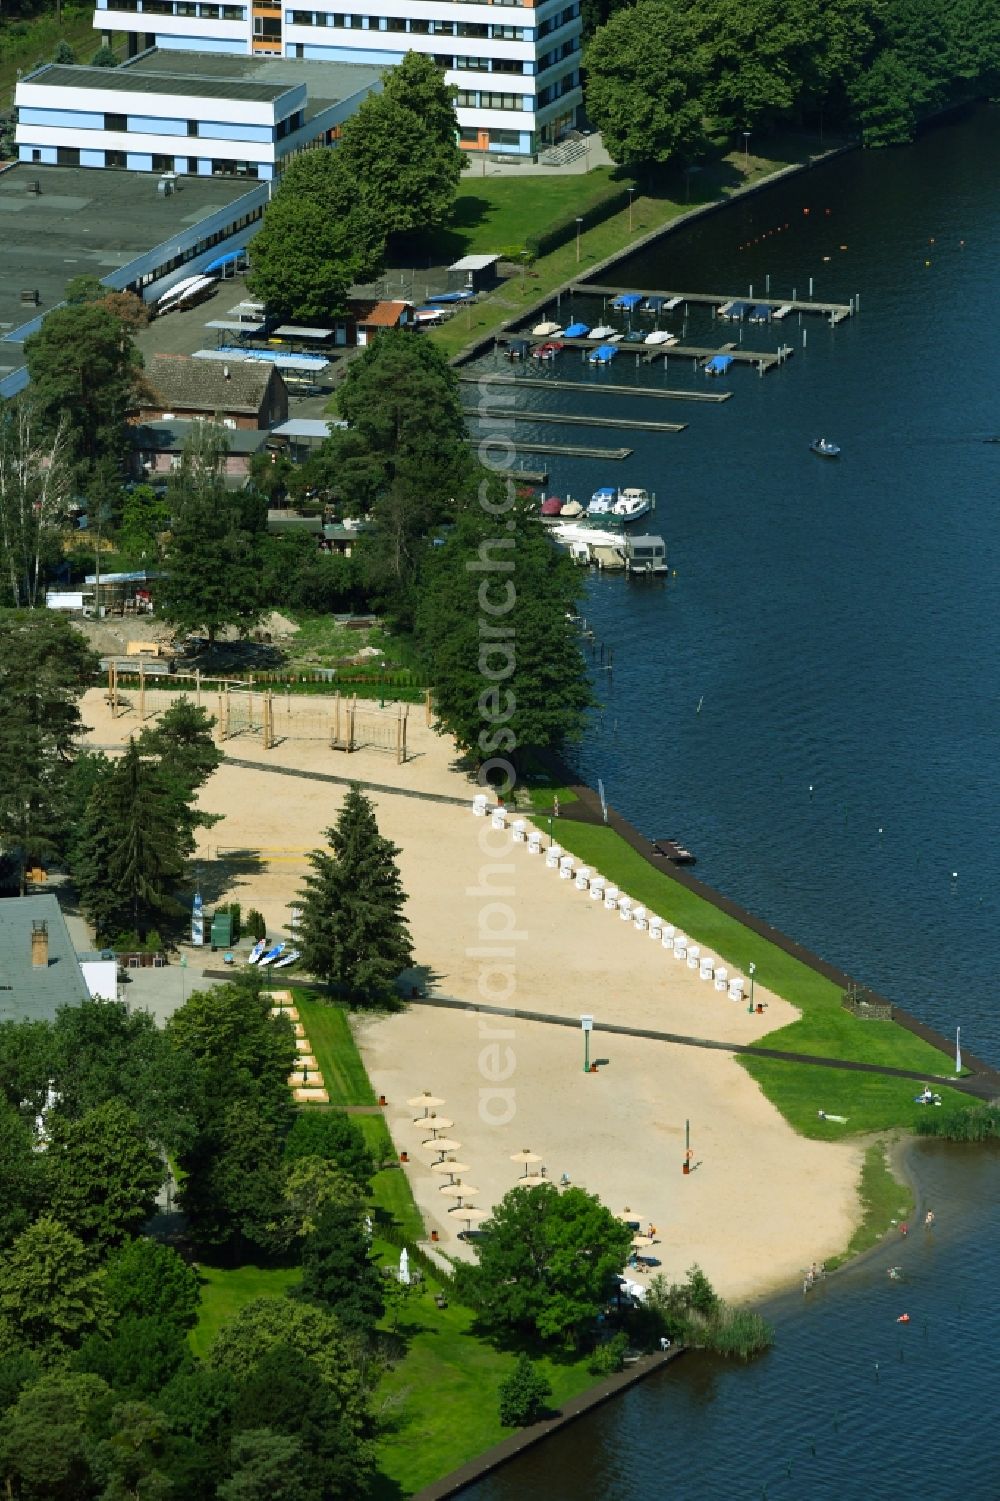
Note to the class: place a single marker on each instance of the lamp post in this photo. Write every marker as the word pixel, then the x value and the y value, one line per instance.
pixel 587 1023
pixel 631 198
pixel 751 971
pixel 746 147
pixel 524 268
pixel 579 226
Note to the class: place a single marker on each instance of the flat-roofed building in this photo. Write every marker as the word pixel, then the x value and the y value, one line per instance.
pixel 185 113
pixel 516 66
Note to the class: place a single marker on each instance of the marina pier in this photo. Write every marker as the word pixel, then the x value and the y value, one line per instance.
pixel 659 393
pixel 763 359
pixel 570 419
pixel 835 311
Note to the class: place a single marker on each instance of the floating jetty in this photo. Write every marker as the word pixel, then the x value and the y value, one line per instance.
pixel 835 311
pixel 562 450
pixel 763 359
pixel 570 419
pixel 659 393
pixel 530 476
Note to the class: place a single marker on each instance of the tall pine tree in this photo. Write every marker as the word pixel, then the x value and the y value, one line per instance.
pixel 131 851
pixel 352 931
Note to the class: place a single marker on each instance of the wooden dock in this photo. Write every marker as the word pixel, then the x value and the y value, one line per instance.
pixel 764 360
pixel 570 419
pixel 563 450
pixel 659 393
pixel 836 311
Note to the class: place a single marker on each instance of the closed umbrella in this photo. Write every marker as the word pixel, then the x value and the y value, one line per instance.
pixel 425 1101
pixel 404 1265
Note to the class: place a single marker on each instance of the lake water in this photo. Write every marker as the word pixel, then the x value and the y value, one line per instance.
pixel 812 705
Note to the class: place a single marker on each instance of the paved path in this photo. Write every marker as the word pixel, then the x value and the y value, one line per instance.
pixel 326 776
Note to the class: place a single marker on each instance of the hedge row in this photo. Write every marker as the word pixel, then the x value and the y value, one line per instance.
pixel 613 199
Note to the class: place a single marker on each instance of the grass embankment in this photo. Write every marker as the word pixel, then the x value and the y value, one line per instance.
pixel 871 1102
pixel 884 1201
pixel 329 1030
pixel 503 211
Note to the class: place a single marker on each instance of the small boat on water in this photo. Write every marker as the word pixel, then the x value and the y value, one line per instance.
pixel 603 501
pixel 661 336
pixel 627 302
pixel 541 330
pixel 257 951
pixel 572 509
pixel 783 311
pixel 577 331
pixel 547 351
pixel 552 506
pixel 632 504
pixel 603 354
pixel 825 448
pixel 518 349
pixel 602 331
pixel 616 337
pixel 719 364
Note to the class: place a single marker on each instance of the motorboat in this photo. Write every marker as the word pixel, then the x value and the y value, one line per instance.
pixel 603 501
pixel 542 329
pixel 547 351
pixel 272 955
pixel 577 331
pixel 288 958
pixel 572 509
pixel 258 950
pixel 825 448
pixel 573 533
pixel 632 505
pixel 603 331
pixel 661 336
pixel 603 354
pixel 518 349
pixel 616 337
pixel 627 302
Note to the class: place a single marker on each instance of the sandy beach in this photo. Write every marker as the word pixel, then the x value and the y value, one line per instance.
pixel 492 923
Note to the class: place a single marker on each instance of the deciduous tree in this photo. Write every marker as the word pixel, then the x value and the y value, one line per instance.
pixel 148 1280
pixel 335 1138
pixel 338 1268
pixel 647 72
pixel 523 1394
pixel 44 1438
pixel 51 1295
pixel 103 1174
pixel 35 487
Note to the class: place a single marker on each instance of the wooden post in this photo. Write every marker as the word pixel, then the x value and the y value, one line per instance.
pixel 268 723
pixel 402 747
pixel 427 701
pixel 197 687
pixel 336 721
pixel 223 712
pixel 350 722
pixel 142 691
pixel 399 737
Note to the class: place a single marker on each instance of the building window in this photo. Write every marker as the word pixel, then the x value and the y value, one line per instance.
pixel 507 65
pixel 303 18
pixel 467 99
pixel 501 101
pixel 117 123
pixel 192 127
pixel 163 164
pixel 473 64
pixel 67 156
pixel 468 28
pixel 421 28
pixel 505 138
pixel 267 27
pixel 395 23
pixel 115 159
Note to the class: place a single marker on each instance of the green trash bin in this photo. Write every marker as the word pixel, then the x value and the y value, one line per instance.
pixel 222 930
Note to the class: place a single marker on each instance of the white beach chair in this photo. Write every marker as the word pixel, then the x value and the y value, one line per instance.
pixel 736 988
pixel 669 937
pixel 552 856
pixel 639 920
pixel 583 878
pixel 611 895
pixel 707 968
pixel 722 979
pixel 534 843
pixel 694 956
pixel 520 831
pixel 479 805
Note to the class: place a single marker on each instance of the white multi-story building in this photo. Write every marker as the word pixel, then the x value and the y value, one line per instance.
pixel 515 63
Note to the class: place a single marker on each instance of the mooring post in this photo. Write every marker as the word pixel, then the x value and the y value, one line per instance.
pixel 350 722
pixel 142 691
pixel 268 723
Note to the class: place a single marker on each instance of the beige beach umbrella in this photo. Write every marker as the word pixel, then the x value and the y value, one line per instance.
pixel 630 1216
pixel 442 1144
pixel 434 1122
pixel 469 1213
pixel 641 1242
pixel 531 1180
pixel 459 1191
pixel 449 1165
pixel 525 1156
pixel 425 1101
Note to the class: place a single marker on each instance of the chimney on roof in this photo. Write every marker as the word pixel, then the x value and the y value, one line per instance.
pixel 39 944
pixel 225 372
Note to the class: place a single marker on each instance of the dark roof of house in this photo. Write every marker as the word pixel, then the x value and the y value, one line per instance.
pixel 132 81
pixel 28 993
pixel 209 385
pixel 171 436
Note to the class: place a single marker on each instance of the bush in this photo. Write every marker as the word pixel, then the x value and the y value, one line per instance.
pixel 976 1123
pixel 256 927
pixel 523 1395
pixel 609 1357
pixel 236 913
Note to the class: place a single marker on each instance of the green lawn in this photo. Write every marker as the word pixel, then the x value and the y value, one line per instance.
pixel 224 1291
pixel 494 211
pixel 328 1029
pixel 824 1028
pixel 440 1401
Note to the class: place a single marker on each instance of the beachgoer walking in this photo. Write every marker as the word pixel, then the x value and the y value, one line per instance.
pixel 929 1217
pixel 904 1229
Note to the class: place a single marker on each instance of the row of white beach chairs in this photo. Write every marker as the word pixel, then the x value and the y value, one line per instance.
pixel 613 900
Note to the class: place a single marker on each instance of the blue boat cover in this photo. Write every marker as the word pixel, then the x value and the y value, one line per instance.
pixel 452 297
pixel 738 310
pixel 222 260
pixel 656 304
pixel 762 312
pixel 578 331
pixel 603 354
pixel 627 300
pixel 719 363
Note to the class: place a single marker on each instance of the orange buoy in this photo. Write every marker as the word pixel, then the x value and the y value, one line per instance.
pixel 904 1318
